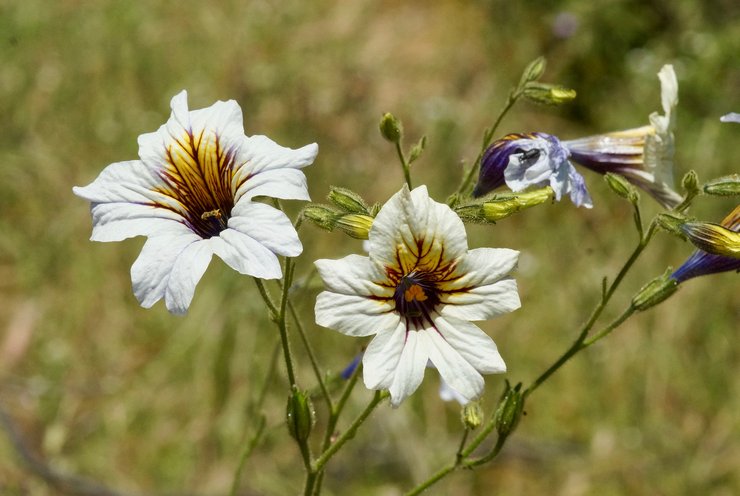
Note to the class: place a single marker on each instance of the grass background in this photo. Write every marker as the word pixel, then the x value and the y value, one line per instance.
pixel 149 403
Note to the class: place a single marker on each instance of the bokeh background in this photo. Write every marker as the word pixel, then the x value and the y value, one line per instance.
pixel 149 403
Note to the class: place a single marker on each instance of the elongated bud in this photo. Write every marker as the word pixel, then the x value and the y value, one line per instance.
pixel 472 415
pixel 300 415
pixel 356 225
pixel 723 186
pixel 713 238
pixel 533 71
pixel 690 182
pixel 391 128
pixel 509 411
pixel 348 200
pixel 498 209
pixel 548 94
pixel 621 187
pixel 321 215
pixel 654 292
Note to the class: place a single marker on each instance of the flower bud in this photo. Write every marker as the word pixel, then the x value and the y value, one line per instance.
pixel 723 186
pixel 533 71
pixel 621 187
pixel 690 182
pixel 472 415
pixel 509 411
pixel 548 94
pixel 348 200
pixel 713 238
pixel 321 215
pixel 300 414
pixel 391 128
pixel 498 209
pixel 356 225
pixel 655 292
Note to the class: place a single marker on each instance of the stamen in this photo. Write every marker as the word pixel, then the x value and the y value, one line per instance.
pixel 415 292
pixel 213 213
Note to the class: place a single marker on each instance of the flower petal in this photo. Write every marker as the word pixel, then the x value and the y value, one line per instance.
pixel 454 369
pixel 286 184
pixel 187 270
pixel 482 302
pixel 355 315
pixel 119 221
pixel 268 226
pixel 150 273
pixel 416 229
pixel 474 345
pixel 381 357
pixel 410 369
pixel 353 275
pixel 482 266
pixel 246 255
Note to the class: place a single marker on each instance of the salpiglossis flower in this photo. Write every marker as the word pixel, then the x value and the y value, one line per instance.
pixel 703 263
pixel 192 194
pixel 416 292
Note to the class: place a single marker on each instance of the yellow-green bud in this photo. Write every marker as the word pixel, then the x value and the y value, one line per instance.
pixel 472 415
pixel 621 187
pixel 690 182
pixel 723 186
pixel 548 94
pixel 498 209
pixel 356 225
pixel 654 292
pixel 348 200
pixel 321 215
pixel 713 238
pixel 391 128
pixel 509 411
pixel 533 71
pixel 300 414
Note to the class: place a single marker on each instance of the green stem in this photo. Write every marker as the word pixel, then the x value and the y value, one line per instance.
pixel 281 321
pixel 404 164
pixel 311 356
pixel 608 329
pixel 466 185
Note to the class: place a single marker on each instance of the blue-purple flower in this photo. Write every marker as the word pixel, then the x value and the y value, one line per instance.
pixel 535 159
pixel 643 156
pixel 702 263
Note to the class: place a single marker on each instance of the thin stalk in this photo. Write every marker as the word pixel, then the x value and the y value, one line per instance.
pixel 311 356
pixel 281 323
pixel 404 164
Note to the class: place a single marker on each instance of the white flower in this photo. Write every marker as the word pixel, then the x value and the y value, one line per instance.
pixel 191 193
pixel 417 292
pixel 731 117
pixel 644 155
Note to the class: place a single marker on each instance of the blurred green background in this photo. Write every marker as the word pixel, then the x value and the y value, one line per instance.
pixel 149 403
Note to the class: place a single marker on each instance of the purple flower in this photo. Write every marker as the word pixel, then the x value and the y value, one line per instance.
pixel 701 263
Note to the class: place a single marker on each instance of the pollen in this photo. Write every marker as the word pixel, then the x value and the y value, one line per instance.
pixel 415 292
pixel 212 213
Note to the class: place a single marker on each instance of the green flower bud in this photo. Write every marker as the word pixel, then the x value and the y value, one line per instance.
pixel 548 94
pixel 621 187
pixel 472 415
pixel 498 209
pixel 356 225
pixel 690 182
pixel 723 186
pixel 347 200
pixel 300 414
pixel 391 128
pixel 533 71
pixel 321 215
pixel 654 292
pixel 713 238
pixel 509 411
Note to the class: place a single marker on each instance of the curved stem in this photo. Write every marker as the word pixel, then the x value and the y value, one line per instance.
pixel 404 164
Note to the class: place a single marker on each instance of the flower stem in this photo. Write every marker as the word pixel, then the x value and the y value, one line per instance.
pixel 311 356
pixel 404 164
